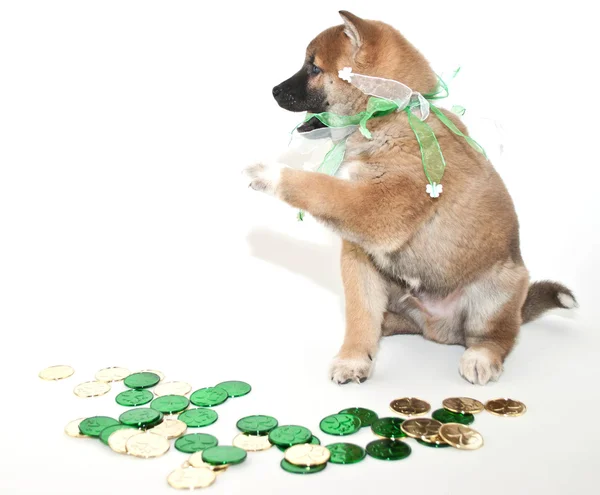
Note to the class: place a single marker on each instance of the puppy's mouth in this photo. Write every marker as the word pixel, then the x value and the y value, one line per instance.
pixel 311 125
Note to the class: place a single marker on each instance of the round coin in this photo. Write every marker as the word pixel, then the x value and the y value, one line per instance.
pixel 388 428
pixel 313 441
pixel 170 428
pixel 257 424
pixel 446 416
pixel 133 397
pixel 199 417
pixel 307 455
pixel 160 374
pixel 346 453
pixel 147 445
pixel 506 407
pixel 94 425
pixel 112 374
pixel 252 443
pixel 59 372
pixel 463 405
pixel 461 436
pixel 225 454
pixel 291 468
pixel 423 428
pixel 209 396
pixel 72 428
pixel 366 416
pixel 195 460
pixel 388 450
pixel 91 389
pixel 436 443
pixel 142 417
pixel 108 431
pixel 410 406
pixel 340 424
pixel 235 388
pixel 190 478
pixel 117 441
pixel 172 388
pixel 170 404
pixel 289 435
pixel 195 442
pixel 143 379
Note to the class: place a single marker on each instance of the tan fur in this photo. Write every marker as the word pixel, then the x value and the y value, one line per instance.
pixel 449 267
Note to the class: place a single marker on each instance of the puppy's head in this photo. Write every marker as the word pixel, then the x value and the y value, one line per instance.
pixel 369 47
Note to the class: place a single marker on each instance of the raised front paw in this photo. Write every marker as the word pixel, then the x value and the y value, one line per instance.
pixel 480 365
pixel 356 369
pixel 265 178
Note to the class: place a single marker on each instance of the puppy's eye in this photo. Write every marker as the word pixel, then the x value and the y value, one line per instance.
pixel 315 70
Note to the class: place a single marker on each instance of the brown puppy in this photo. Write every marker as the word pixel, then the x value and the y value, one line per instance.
pixel 448 268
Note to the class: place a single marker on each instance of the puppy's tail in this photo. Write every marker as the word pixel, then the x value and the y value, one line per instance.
pixel 546 295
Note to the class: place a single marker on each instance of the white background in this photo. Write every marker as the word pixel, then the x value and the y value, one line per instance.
pixel 128 237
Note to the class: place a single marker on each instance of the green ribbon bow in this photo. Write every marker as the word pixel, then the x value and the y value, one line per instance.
pixel 432 157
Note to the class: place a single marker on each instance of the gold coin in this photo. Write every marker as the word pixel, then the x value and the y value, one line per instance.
pixel 117 440
pixel 169 428
pixel 461 436
pixel 147 445
pixel 72 429
pixel 59 372
pixel 112 374
pixel 506 407
pixel 91 389
pixel 410 406
pixel 307 454
pixel 196 461
pixel 423 428
pixel 252 443
pixel 463 405
pixel 437 440
pixel 172 388
pixel 160 374
pixel 190 478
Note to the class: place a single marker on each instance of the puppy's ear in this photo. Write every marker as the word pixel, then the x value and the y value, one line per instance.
pixel 355 28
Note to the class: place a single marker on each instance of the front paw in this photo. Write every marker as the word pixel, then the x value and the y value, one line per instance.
pixel 265 178
pixel 479 366
pixel 356 369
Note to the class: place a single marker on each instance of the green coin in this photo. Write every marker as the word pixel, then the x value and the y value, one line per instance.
pixel 289 435
pixel 257 424
pixel 388 450
pixel 217 456
pixel 313 441
pixel 195 442
pixel 445 416
pixel 292 468
pixel 346 453
pixel 199 417
pixel 340 424
pixel 388 427
pixel 434 445
pixel 170 404
pixel 144 379
pixel 133 398
pixel 107 432
pixel 366 416
pixel 142 417
pixel 209 396
pixel 234 388
pixel 92 427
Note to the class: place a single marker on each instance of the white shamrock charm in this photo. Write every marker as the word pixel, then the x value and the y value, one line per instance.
pixel 345 74
pixel 434 190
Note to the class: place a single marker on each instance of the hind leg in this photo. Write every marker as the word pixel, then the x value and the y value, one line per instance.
pixel 493 319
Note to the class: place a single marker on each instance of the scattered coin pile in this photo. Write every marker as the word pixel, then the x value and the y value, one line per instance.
pixel 146 432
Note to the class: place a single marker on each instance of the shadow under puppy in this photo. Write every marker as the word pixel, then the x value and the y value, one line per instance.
pixel 449 268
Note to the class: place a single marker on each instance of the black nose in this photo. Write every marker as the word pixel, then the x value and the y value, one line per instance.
pixel 276 91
